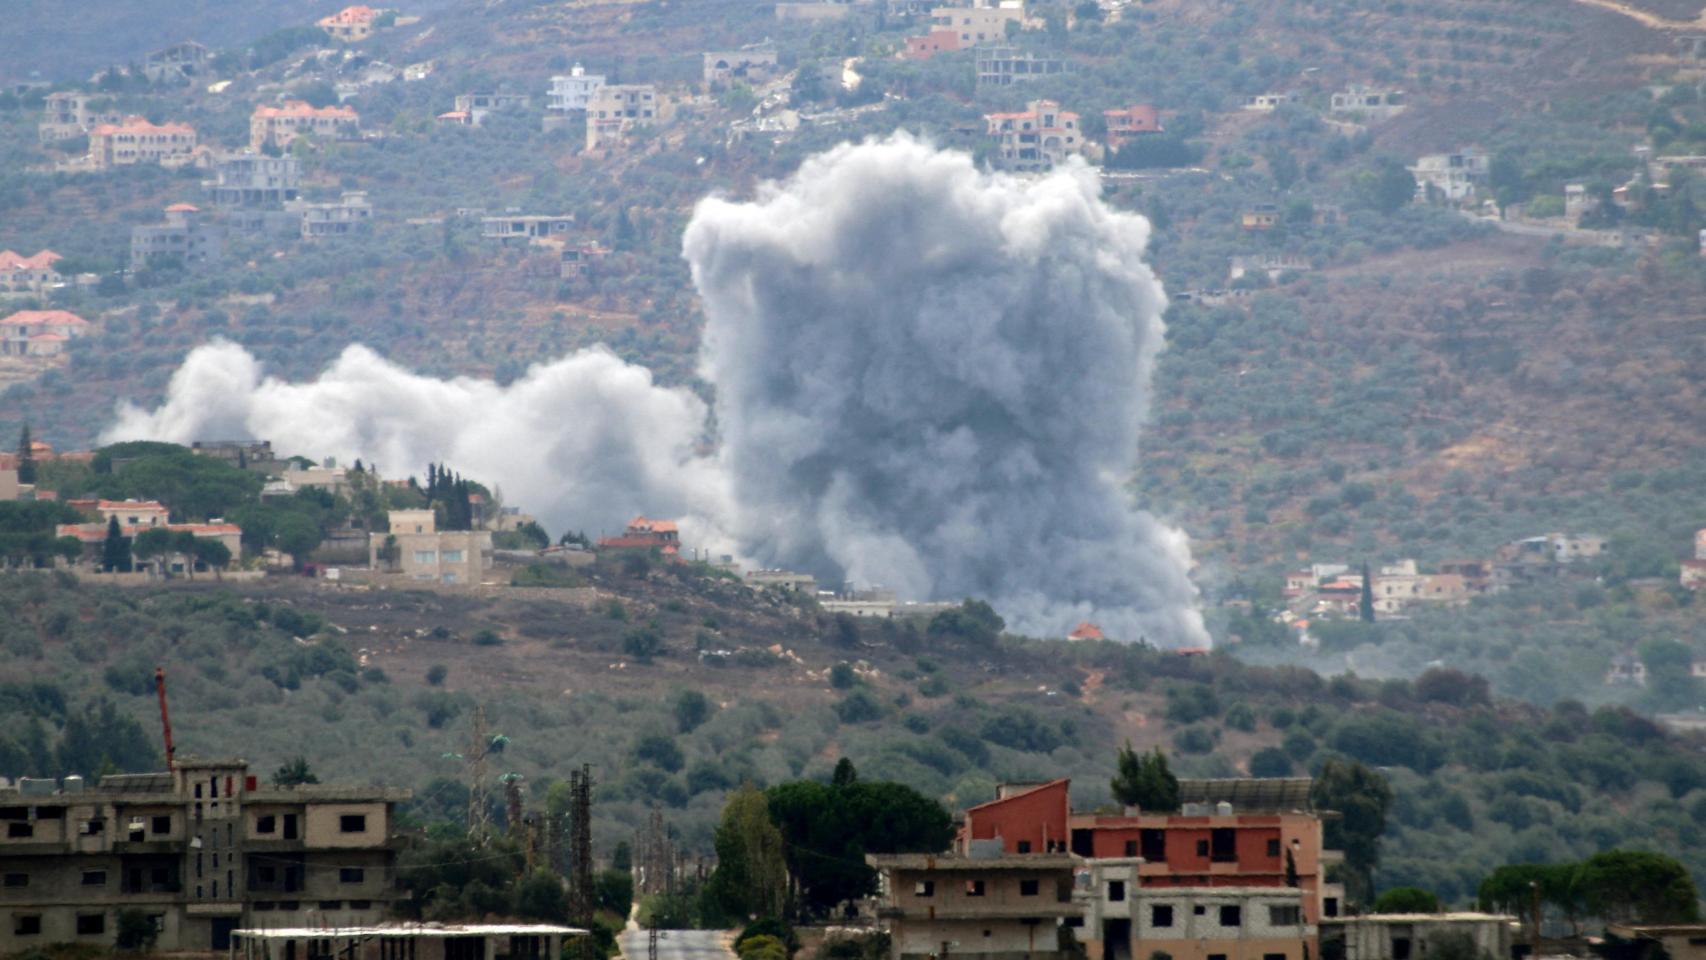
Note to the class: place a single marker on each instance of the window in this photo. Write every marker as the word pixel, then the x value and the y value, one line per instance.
pixel 426 556
pixel 92 827
pixel 1225 845
pixel 91 924
pixel 266 824
pixel 16 880
pixel 1202 848
pixel 266 874
pixel 1284 916
pixel 1217 956
pixel 339 905
pixel 1400 948
pixel 18 830
pixel 1116 891
pixel 974 888
pixel 1330 906
pixel 452 556
pixel 1231 915
pixel 351 875
pixel 1028 888
pixel 352 823
pixel 94 878
pixel 161 825
pixel 1154 845
pixel 361 904
pixel 1131 848
pixel 1273 956
pixel 924 888
pixel 1274 847
pixel 1161 915
pixel 1024 846
pixel 27 925
pixel 1199 910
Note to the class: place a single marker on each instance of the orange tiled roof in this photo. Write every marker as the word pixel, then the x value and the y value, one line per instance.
pixel 183 208
pixel 301 108
pixel 11 260
pixel 35 318
pixel 359 13
pixel 140 125
pixel 1086 631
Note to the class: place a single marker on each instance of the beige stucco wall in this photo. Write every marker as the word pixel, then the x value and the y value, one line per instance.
pixel 324 830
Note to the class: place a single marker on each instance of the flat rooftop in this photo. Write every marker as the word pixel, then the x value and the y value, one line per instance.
pixel 412 930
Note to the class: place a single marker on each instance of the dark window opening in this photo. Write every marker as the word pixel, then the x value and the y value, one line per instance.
pixel 1225 845
pixel 351 875
pixel 1131 848
pixel 1116 891
pixel 1400 948
pixel 1028 888
pixel 20 831
pixel 353 823
pixel 1330 906
pixel 290 826
pixel 1286 916
pixel 1202 848
pixel 266 824
pixel 924 888
pixel 1273 848
pixel 161 825
pixel 90 924
pixel 1154 845
pixel 16 880
pixel 27 925
pixel 974 888
pixel 1231 916
pixel 94 878
pixel 1084 843
pixel 1161 915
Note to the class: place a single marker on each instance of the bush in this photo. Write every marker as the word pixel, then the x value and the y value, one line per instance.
pixel 842 677
pixel 643 643
pixel 859 707
pixel 436 673
pixel 487 638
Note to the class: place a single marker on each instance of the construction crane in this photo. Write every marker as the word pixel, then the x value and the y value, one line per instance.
pixel 165 718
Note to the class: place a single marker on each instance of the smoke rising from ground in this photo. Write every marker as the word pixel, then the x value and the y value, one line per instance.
pixel 926 377
pixel 933 378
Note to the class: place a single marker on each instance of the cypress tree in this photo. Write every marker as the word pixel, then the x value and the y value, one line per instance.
pixel 1367 604
pixel 115 553
pixel 26 457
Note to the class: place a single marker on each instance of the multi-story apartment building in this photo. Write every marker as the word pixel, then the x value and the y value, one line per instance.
pixel 1036 138
pixel 200 851
pixel 69 114
pixel 278 126
pixel 352 213
pixel 184 238
pixel 988 905
pixel 614 109
pixel 1127 123
pixel 574 91
pixel 980 23
pixel 253 180
pixel 416 548
pixel 1003 66
pixel 135 140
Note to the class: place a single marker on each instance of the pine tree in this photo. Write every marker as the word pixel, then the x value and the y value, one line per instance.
pixel 26 457
pixel 115 553
pixel 1367 611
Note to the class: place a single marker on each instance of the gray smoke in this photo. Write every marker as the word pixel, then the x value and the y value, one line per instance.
pixel 927 378
pixel 933 379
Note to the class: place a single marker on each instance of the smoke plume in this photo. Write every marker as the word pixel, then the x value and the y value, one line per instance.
pixel 926 377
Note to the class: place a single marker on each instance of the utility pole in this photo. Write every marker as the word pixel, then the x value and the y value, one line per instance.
pixel 1534 897
pixel 582 901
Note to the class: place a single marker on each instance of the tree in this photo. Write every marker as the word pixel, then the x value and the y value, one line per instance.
pixel 1389 187
pixel 294 772
pixel 115 552
pixel 1638 886
pixel 845 775
pixel 436 673
pixel 692 709
pixel 1406 900
pixel 541 896
pixel 1144 781
pixel 136 933
pixel 1270 762
pixel 1361 797
pixel 751 879
pixel 297 535
pixel 26 457
pixel 151 544
pixel 212 553
pixel 1365 607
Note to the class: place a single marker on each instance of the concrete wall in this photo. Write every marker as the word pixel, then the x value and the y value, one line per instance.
pixel 324 825
pixel 977 939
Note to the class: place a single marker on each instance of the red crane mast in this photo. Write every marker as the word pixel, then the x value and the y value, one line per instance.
pixel 165 719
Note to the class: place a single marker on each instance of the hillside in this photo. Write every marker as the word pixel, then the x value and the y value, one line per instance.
pixel 947 709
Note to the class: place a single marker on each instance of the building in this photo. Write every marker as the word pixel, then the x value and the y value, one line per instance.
pixel 752 65
pixel 526 228
pixel 643 533
pixel 1035 139
pixel 1371 102
pixel 477 105
pixel 1127 123
pixel 351 213
pixel 615 109
pixel 579 260
pixel 932 43
pixel 1273 265
pixel 93 538
pixel 781 580
pixel 813 11
pixel 276 127
pixel 1450 176
pixel 1086 631
pixel 417 549
pixel 980 24
pixel 70 114
pixel 185 238
pixel 28 276
pixel 1412 936
pixel 134 140
pixel 40 333
pixel 129 513
pixel 202 850
pixel 574 91
pixel 986 906
pixel 1125 920
pixel 1261 217
pixel 1692 575
pixel 1269 102
pixel 1001 66
pixel 351 24
pixel 1627 670
pixel 178 63
pixel 253 180
pixel 417 941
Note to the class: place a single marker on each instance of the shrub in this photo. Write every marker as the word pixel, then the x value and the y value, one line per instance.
pixel 436 673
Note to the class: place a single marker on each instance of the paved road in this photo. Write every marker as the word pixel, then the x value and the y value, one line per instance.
pixel 676 945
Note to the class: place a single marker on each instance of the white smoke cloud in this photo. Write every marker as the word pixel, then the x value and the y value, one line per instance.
pixel 926 377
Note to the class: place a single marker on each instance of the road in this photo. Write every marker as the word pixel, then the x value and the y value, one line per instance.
pixel 676 945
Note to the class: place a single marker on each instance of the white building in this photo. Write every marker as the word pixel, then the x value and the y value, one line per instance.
pixel 573 92
pixel 1450 176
